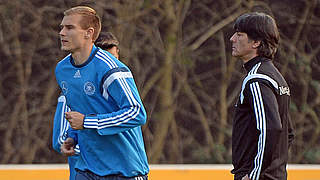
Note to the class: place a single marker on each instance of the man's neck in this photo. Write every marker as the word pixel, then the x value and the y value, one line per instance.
pixel 248 57
pixel 82 55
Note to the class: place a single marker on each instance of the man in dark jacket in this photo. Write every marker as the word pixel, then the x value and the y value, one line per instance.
pixel 262 129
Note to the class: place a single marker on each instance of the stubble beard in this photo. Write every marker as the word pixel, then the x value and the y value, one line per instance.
pixel 64 48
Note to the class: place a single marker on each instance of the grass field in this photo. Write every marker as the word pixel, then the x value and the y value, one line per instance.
pixel 157 172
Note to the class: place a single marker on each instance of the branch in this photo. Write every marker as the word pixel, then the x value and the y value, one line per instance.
pixel 216 28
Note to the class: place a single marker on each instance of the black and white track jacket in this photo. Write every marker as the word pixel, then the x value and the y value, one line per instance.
pixel 262 129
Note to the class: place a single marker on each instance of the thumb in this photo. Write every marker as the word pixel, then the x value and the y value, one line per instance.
pixel 67 114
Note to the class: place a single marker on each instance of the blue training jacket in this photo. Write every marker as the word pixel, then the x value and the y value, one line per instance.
pixel 103 89
pixel 59 133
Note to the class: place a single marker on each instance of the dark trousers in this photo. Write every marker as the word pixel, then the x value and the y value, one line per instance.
pixel 87 175
pixel 238 176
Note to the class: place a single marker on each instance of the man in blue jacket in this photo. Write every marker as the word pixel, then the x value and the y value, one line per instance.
pixel 106 41
pixel 106 112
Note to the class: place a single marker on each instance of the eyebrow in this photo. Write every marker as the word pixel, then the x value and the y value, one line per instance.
pixel 68 26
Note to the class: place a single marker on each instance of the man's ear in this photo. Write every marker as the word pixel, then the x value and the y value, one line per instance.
pixel 89 33
pixel 256 44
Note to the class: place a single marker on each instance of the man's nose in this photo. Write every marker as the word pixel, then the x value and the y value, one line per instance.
pixel 232 37
pixel 61 33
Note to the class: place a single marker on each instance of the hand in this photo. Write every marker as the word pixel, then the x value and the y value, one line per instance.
pixel 246 177
pixel 67 148
pixel 75 119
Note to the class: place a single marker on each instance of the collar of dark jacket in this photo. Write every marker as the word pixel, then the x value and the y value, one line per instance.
pixel 249 65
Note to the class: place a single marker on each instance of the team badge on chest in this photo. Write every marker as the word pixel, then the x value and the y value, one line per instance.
pixel 89 88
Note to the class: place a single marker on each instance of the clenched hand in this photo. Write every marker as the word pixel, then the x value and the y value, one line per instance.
pixel 75 119
pixel 67 148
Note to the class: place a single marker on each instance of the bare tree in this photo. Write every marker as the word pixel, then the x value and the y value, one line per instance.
pixel 179 52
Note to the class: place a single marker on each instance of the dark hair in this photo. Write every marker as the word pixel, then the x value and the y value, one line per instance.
pixel 260 27
pixel 107 40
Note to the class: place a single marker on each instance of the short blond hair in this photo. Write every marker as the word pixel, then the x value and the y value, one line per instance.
pixel 89 19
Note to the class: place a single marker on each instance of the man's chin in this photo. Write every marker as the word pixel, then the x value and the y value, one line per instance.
pixel 234 54
pixel 64 48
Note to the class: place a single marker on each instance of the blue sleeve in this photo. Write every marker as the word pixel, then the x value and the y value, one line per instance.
pixel 72 133
pixel 60 124
pixel 118 86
